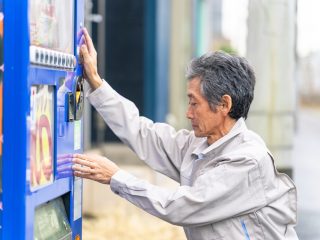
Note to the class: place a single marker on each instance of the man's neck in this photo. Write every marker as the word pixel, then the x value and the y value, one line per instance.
pixel 222 131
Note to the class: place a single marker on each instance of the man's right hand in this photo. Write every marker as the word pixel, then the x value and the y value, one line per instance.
pixel 88 56
pixel 94 167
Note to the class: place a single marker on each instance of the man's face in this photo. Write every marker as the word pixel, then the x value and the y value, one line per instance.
pixel 205 122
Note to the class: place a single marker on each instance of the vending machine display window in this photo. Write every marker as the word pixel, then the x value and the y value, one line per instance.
pixel 51 221
pixel 51 24
pixel 42 135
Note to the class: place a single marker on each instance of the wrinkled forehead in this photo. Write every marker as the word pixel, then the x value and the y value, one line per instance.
pixel 193 84
pixel 194 88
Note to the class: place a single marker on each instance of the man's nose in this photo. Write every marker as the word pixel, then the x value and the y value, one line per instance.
pixel 189 114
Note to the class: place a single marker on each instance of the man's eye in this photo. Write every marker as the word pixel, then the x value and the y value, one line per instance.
pixel 193 104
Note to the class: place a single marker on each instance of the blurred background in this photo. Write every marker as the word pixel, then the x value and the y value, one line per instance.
pixel 143 48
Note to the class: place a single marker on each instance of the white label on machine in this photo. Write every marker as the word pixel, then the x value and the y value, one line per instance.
pixel 77 135
pixel 77 199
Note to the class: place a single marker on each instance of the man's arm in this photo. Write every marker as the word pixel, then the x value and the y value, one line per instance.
pixel 158 144
pixel 223 192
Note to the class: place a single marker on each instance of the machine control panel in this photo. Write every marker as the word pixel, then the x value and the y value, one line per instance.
pixel 75 101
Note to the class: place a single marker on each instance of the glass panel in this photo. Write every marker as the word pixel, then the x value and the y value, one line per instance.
pixel 51 24
pixel 42 135
pixel 51 221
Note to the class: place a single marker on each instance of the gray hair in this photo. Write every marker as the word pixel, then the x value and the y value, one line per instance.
pixel 224 74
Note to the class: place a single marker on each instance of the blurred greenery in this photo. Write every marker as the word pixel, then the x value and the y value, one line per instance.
pixel 228 49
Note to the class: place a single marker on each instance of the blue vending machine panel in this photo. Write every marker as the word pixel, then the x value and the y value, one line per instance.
pixel 1 104
pixel 43 108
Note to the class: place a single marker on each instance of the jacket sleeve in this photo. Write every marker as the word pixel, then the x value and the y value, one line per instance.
pixel 158 144
pixel 222 192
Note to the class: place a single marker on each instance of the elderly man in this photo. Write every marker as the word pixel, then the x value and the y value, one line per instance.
pixel 229 186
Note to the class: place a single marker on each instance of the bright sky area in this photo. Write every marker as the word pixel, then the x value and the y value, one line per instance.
pixel 308 19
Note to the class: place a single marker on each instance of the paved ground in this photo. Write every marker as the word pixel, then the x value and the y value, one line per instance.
pixel 306 156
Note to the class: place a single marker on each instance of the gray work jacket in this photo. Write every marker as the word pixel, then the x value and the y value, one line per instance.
pixel 229 190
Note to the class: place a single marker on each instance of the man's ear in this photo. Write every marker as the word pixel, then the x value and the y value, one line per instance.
pixel 226 104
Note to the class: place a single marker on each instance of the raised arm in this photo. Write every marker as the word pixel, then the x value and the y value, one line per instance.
pixel 158 144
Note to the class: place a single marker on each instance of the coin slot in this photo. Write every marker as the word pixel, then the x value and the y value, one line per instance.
pixel 79 98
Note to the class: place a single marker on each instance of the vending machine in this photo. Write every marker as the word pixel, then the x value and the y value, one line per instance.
pixel 41 106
